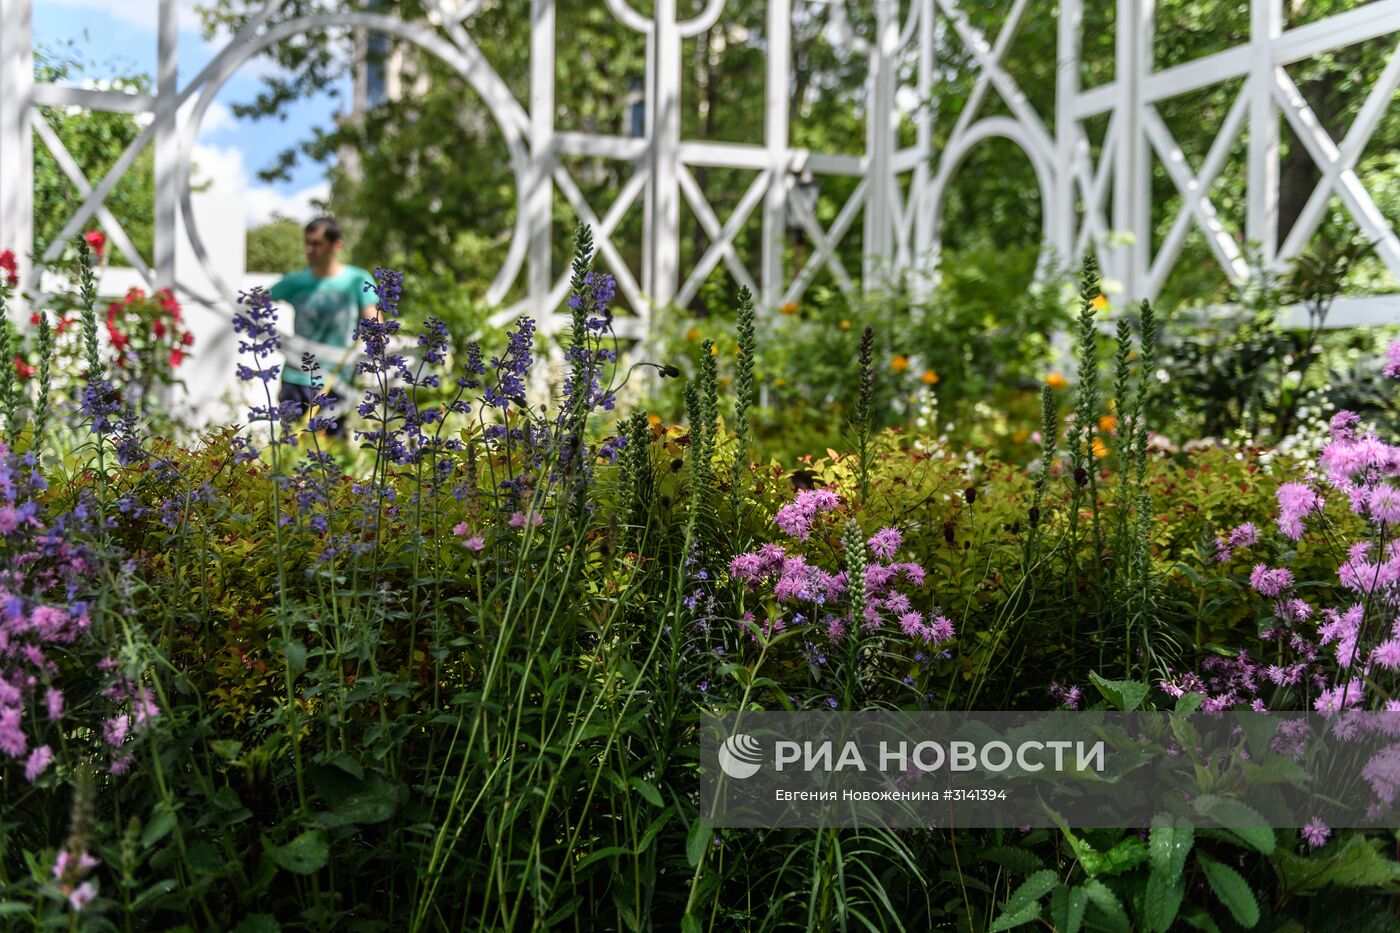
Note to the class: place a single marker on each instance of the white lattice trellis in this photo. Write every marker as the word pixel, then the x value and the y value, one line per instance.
pixel 900 231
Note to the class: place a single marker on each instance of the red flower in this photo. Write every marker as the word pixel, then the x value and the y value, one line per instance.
pixel 34 318
pixel 159 328
pixel 23 368
pixel 7 262
pixel 63 324
pixel 177 356
pixel 187 339
pixel 97 240
pixel 119 340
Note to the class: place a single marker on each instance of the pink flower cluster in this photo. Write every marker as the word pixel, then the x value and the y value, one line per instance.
pixel 38 566
pixel 798 583
pixel 798 516
pixel 1241 536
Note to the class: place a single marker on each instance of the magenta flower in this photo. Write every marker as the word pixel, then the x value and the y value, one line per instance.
pixel 884 543
pixel 13 741
pixel 1316 833
pixel 476 544
pixel 38 760
pixel 1392 360
pixel 460 529
pixel 1244 535
pixel 1270 582
pixel 82 895
pixel 1387 654
pixel 1384 504
pixel 1295 501
pixel 521 519
pixel 797 517
pixel 115 729
pixel 1343 425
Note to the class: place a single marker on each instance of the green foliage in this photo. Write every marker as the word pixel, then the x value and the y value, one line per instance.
pixel 276 246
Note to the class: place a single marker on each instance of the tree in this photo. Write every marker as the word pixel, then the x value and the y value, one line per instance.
pixel 276 246
pixel 95 141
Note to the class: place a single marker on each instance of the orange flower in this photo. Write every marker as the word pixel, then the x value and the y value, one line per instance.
pixel 929 377
pixel 788 307
pixel 1021 436
pixel 1108 424
pixel 845 324
pixel 692 334
pixel 779 382
pixel 1056 381
pixel 900 363
pixel 714 350
pixel 1100 302
pixel 1100 450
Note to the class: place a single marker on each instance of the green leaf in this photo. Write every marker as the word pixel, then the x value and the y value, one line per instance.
pixel 162 822
pixel 1358 864
pixel 647 790
pixel 695 842
pixel 1240 819
pixel 1014 859
pixel 691 924
pixel 1129 853
pixel 226 749
pixel 1024 904
pixel 10 908
pixel 305 854
pixel 204 858
pixel 1104 901
pixel 599 854
pixel 258 923
pixel 1067 906
pixel 1233 891
pixel 1198 919
pixel 295 653
pixel 1167 848
pixel 1125 695
pixel 1189 702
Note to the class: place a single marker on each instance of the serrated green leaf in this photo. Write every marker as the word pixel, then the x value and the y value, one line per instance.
pixel 1024 904
pixel 1240 819
pixel 1125 695
pixel 1168 845
pixel 1189 702
pixel 1103 900
pixel 1234 892
pixel 1067 906
pixel 1357 864
pixel 1014 859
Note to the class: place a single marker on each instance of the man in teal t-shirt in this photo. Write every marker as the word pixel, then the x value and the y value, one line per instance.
pixel 330 298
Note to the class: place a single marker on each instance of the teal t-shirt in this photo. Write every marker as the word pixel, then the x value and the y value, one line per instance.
pixel 327 312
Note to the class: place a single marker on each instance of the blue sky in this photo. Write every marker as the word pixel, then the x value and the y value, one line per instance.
pixel 119 37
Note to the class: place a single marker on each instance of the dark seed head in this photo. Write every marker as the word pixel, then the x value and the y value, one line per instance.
pixel 1035 516
pixel 1081 477
pixel 948 532
pixel 970 494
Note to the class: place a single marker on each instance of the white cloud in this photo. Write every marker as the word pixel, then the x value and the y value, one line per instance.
pixel 262 203
pixel 224 169
pixel 217 117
